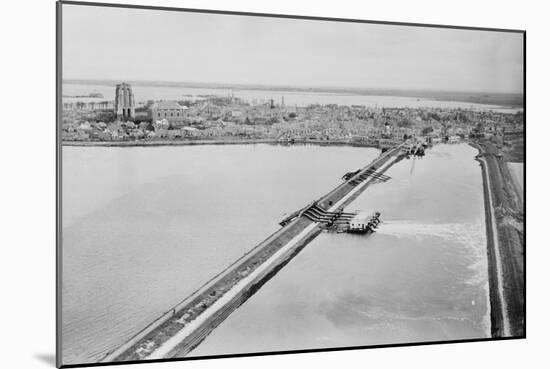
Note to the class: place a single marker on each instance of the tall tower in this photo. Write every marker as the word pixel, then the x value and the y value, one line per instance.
pixel 387 128
pixel 124 101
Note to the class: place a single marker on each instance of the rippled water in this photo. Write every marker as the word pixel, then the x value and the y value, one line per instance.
pixel 421 277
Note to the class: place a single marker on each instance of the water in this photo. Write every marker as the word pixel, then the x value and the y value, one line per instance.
pixel 421 277
pixel 145 226
pixel 291 98
pixel 518 174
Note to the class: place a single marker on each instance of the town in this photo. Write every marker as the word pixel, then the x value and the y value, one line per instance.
pixel 229 119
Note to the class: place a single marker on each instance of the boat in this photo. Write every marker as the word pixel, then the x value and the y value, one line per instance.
pixel 364 222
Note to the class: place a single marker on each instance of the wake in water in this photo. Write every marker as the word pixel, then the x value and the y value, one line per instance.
pixel 471 232
pixel 470 236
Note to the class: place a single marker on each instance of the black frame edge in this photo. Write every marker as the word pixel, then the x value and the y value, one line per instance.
pixel 525 183
pixel 293 352
pixel 58 168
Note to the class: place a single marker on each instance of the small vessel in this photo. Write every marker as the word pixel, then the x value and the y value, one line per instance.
pixel 364 222
pixel 96 94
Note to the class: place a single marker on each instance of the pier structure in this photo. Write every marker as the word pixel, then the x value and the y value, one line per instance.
pixel 186 325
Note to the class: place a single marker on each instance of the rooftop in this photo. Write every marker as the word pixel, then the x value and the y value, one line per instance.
pixel 168 105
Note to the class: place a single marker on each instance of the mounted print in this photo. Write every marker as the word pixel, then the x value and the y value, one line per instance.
pixel 241 184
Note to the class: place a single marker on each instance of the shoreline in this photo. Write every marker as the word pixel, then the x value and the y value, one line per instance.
pixel 212 142
pixel 503 100
pixel 164 143
pixel 505 246
pixel 500 324
pixel 518 182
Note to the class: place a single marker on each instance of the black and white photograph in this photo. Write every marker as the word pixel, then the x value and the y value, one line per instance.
pixel 244 184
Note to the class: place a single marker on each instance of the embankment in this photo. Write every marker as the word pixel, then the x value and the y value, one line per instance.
pixel 149 143
pixel 187 324
pixel 140 143
pixel 504 215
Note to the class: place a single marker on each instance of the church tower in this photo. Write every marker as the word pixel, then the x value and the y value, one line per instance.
pixel 124 101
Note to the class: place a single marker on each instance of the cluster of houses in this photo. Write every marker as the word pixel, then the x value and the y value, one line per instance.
pixel 226 116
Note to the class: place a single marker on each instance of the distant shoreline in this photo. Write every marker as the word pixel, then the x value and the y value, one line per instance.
pixel 502 99
pixel 163 143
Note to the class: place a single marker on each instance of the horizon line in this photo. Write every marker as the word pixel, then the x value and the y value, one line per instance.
pixel 281 86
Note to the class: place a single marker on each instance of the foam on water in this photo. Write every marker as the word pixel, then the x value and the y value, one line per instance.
pixel 421 277
pixel 147 236
pixel 471 236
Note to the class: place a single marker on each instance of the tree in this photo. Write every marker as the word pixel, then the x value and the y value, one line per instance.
pixel 149 127
pixel 426 130
pixel 434 116
pixel 404 123
pixel 478 128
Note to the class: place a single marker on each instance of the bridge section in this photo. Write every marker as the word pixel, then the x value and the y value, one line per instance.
pixel 185 326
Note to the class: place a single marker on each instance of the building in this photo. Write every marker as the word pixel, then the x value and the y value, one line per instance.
pixel 387 130
pixel 236 114
pixel 169 110
pixel 124 102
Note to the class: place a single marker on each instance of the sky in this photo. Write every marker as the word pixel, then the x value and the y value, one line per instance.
pixel 142 44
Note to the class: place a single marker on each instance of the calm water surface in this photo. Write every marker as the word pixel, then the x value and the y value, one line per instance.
pixel 421 277
pixel 144 227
